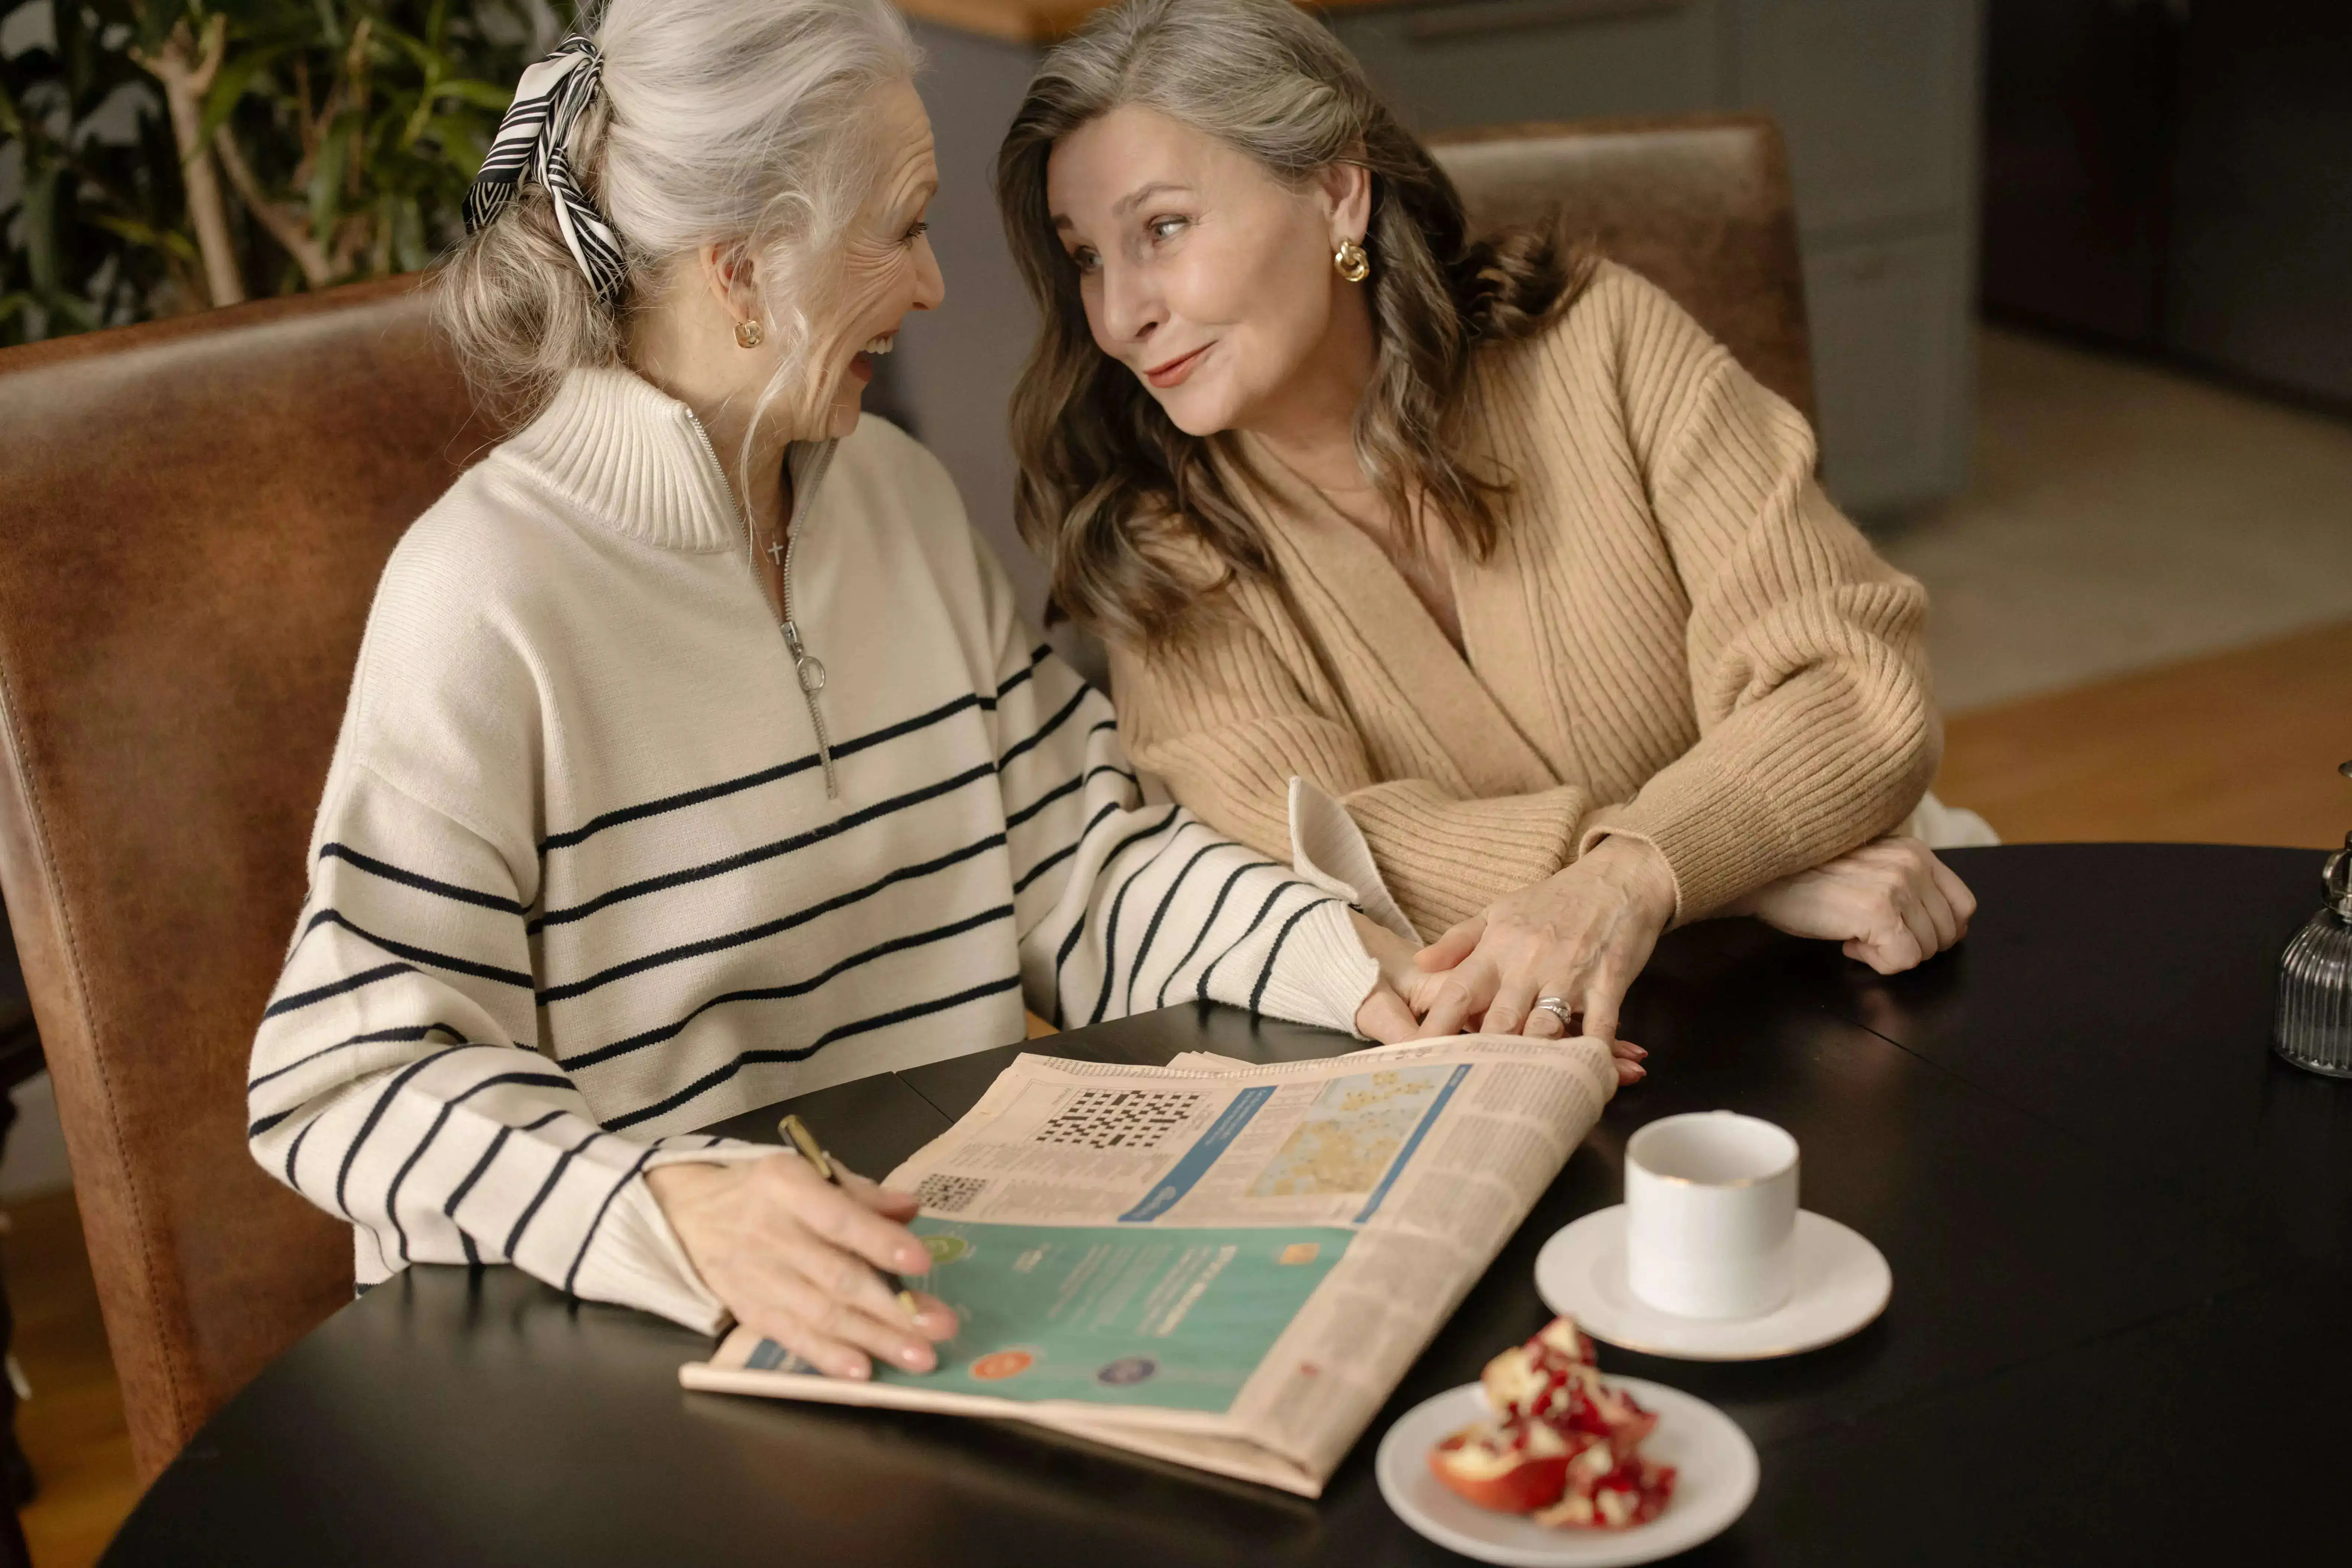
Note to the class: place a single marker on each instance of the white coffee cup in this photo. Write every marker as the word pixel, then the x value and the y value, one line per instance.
pixel 1711 1214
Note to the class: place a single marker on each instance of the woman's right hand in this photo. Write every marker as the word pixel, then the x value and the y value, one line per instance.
pixel 796 1259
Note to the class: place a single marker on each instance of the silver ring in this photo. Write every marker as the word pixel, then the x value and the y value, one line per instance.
pixel 1555 1006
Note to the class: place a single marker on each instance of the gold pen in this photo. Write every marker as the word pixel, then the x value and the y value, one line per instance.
pixel 796 1133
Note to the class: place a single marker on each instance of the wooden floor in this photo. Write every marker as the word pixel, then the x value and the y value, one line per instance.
pixel 2239 748
pixel 72 1426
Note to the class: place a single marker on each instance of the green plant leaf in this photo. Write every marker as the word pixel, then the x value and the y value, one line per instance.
pixel 237 73
pixel 481 94
pixel 325 192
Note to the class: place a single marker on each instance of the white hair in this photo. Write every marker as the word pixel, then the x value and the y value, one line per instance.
pixel 735 123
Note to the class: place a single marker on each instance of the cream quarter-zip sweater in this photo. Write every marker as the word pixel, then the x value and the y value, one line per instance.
pixel 576 884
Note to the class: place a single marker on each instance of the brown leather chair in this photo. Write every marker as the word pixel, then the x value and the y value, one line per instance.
pixel 192 518
pixel 1699 205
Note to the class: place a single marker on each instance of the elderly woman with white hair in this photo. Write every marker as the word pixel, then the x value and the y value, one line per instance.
pixel 695 755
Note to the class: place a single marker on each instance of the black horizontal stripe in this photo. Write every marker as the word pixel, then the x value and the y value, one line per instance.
pixel 1208 925
pixel 713 1078
pixel 267 1123
pixel 376 1037
pixel 538 1199
pixel 1058 855
pixel 1068 787
pixel 707 793
pixel 1258 994
pixel 766 928
pixel 572 1275
pixel 764 852
pixel 794 988
pixel 383 1099
pixel 1037 735
pixel 457 1195
pixel 449 1107
pixel 392 1194
pixel 1078 928
pixel 423 955
pixel 335 988
pixel 1256 921
pixel 392 873
pixel 1152 931
pixel 1118 905
pixel 294 1150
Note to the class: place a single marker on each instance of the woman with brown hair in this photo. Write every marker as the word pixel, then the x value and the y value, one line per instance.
pixel 1484 538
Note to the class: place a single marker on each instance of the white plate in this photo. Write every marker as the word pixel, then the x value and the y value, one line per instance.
pixel 1716 1479
pixel 1843 1282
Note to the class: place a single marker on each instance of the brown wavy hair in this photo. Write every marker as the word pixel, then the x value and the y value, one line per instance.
pixel 1108 483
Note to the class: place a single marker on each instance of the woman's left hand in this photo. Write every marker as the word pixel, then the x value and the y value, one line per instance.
pixel 1581 935
pixel 1891 902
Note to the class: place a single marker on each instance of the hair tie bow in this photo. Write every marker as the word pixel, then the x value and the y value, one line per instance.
pixel 531 144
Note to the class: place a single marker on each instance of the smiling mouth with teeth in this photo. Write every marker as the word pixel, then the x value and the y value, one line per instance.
pixel 881 345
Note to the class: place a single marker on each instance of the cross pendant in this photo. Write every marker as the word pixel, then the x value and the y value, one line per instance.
pixel 776 553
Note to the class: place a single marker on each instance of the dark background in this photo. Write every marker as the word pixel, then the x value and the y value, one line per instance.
pixel 2174 178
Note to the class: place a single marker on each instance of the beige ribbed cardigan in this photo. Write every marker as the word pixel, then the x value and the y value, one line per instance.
pixel 1679 639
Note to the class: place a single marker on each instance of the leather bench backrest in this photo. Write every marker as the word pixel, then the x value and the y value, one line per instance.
pixel 192 518
pixel 1700 206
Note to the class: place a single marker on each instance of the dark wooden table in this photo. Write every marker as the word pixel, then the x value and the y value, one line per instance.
pixel 2121 1233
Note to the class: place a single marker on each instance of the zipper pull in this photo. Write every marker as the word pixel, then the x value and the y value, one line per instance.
pixel 810 670
pixel 806 665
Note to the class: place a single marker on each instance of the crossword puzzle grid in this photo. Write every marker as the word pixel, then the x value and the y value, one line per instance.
pixel 1118 1119
pixel 948 1194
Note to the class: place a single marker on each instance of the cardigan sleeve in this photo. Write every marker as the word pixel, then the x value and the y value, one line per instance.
pixel 1806 652
pixel 1221 718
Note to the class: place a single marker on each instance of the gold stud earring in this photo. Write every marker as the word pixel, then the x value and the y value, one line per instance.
pixel 1353 264
pixel 749 334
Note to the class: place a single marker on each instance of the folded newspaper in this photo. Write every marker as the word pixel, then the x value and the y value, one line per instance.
pixel 1222 1265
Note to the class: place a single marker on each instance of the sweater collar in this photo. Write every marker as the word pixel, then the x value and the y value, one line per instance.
pixel 1350 594
pixel 637 460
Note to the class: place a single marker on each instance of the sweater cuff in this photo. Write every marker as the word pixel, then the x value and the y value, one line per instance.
pixel 635 1258
pixel 1324 973
pixel 1328 849
pixel 1716 853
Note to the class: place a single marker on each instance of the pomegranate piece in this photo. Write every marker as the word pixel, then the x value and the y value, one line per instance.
pixel 1615 1493
pixel 1509 1467
pixel 1563 1446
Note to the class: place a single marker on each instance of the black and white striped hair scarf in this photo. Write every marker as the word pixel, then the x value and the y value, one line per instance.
pixel 531 144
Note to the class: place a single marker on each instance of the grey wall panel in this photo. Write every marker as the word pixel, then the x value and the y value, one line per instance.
pixel 1878 101
pixel 1489 61
pixel 1892 368
pixel 955 367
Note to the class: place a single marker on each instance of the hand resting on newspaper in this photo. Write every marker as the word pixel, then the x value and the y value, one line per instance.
pixel 795 1259
pixel 1415 1000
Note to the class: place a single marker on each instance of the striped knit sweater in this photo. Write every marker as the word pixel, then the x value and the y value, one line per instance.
pixel 576 883
pixel 1679 639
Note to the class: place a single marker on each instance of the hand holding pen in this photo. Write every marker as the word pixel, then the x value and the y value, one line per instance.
pixel 802 1260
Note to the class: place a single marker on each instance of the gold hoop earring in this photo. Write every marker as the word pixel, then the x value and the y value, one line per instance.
pixel 749 334
pixel 1353 264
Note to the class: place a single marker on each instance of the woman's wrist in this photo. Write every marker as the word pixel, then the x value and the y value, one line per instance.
pixel 1639 869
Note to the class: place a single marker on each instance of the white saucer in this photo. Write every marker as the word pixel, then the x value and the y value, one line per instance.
pixel 1843 1282
pixel 1716 1479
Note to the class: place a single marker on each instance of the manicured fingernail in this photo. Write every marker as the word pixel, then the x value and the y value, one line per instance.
pixel 1640 1072
pixel 855 1369
pixel 1639 1053
pixel 915 1358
